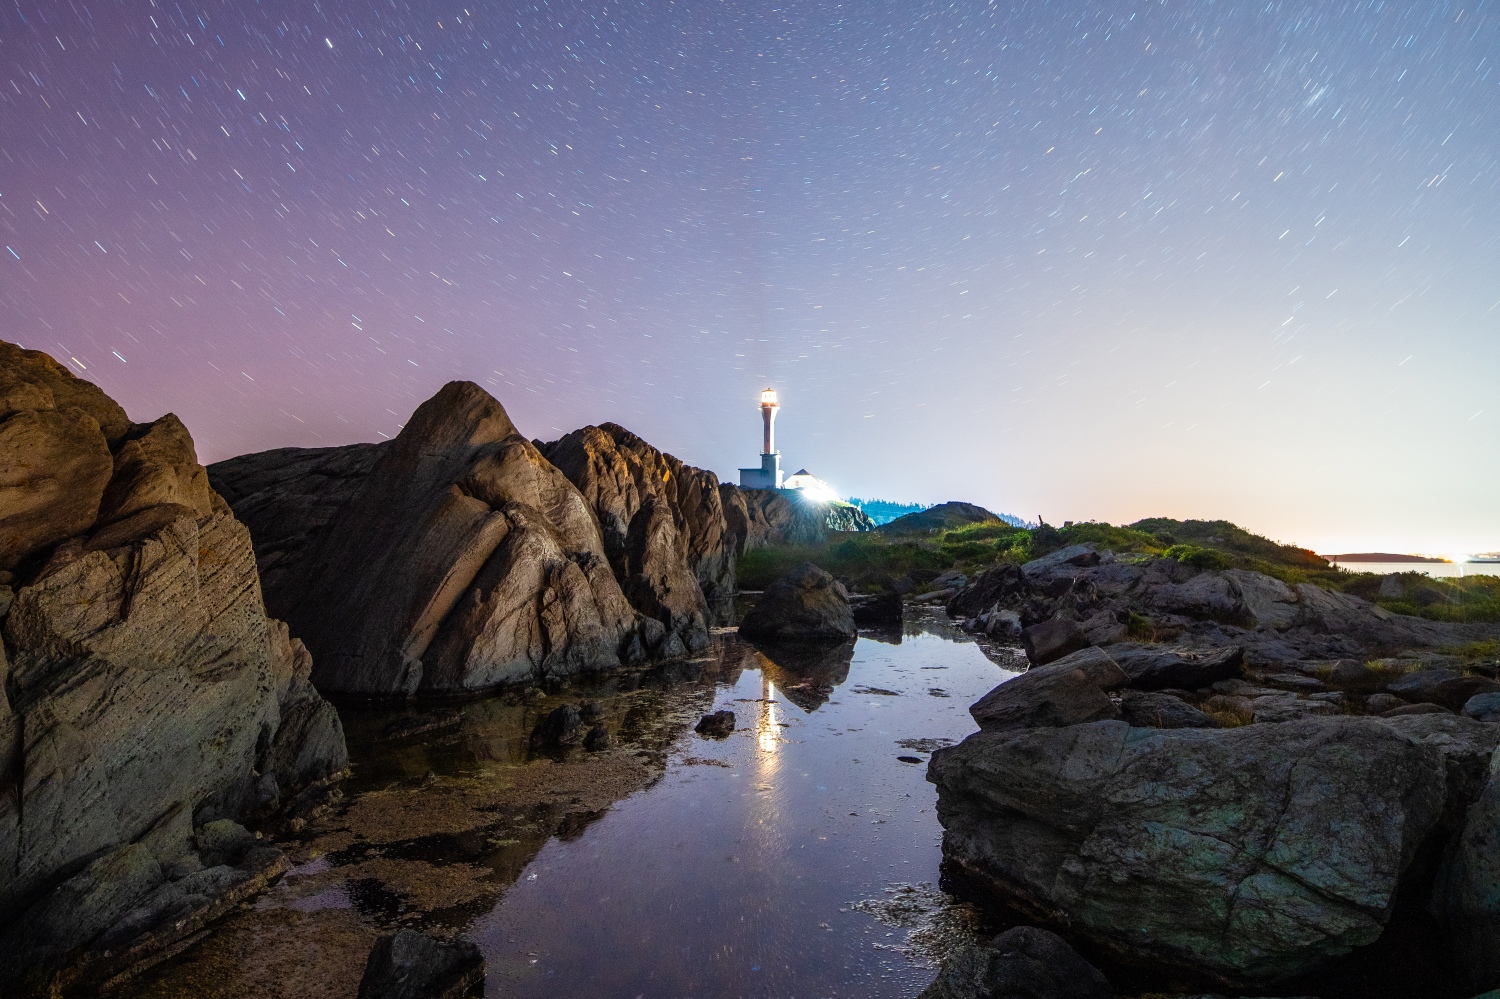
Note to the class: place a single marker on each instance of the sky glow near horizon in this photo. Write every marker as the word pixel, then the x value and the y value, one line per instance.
pixel 1082 261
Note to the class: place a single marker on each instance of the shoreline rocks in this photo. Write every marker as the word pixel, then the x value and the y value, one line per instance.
pixel 807 604
pixel 1240 807
pixel 146 695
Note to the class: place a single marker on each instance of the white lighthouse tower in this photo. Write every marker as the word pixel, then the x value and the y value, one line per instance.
pixel 768 475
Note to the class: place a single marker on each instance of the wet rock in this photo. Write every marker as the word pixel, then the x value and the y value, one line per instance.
pixel 883 608
pixel 805 604
pixel 1070 691
pixel 718 725
pixel 1187 847
pixel 1145 709
pixel 463 561
pixel 1484 707
pixel 1052 640
pixel 1022 963
pixel 1151 667
pixel 1446 687
pixel 412 965
pixel 563 726
pixel 597 739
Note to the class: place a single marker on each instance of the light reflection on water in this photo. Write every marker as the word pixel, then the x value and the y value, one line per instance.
pixel 735 873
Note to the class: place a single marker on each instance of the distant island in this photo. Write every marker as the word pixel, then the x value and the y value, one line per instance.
pixel 1383 557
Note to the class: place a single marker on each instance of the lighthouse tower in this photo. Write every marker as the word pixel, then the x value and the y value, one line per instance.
pixel 768 475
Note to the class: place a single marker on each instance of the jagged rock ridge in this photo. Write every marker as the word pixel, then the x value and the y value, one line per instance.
pixel 146 692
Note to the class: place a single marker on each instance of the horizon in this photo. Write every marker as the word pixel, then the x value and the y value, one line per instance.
pixel 1072 262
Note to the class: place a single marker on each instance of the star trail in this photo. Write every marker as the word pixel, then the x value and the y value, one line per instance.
pixel 1077 260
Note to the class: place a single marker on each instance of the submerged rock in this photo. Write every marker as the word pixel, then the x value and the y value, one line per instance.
pixel 412 965
pixel 1022 963
pixel 805 604
pixel 719 725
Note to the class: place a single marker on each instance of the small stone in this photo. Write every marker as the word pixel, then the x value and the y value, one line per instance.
pixel 562 727
pixel 1415 709
pixel 597 739
pixel 718 725
pixel 1377 703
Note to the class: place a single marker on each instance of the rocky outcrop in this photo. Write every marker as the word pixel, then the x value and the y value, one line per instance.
pixel 663 526
pixel 1248 854
pixel 1237 818
pixel 807 604
pixel 1022 963
pixel 759 518
pixel 146 692
pixel 463 560
pixel 943 517
pixel 1099 594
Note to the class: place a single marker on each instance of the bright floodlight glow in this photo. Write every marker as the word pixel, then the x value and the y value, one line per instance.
pixel 768 398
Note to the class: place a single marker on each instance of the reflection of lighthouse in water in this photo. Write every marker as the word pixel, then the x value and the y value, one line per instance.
pixel 768 475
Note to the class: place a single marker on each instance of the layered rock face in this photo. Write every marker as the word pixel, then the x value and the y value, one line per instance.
pixel 455 558
pixel 663 525
pixel 146 692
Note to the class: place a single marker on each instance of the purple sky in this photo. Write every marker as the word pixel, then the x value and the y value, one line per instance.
pixel 1077 260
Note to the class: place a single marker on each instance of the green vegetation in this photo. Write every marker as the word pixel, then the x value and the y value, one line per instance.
pixel 1443 598
pixel 973 540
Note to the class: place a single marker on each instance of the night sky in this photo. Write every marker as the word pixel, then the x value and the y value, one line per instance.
pixel 1077 260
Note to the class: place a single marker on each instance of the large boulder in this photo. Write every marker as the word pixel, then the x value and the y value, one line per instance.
pixel 145 687
pixel 454 558
pixel 1247 854
pixel 1151 667
pixel 1024 962
pixel 805 604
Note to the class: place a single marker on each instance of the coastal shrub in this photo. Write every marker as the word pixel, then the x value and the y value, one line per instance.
pixel 1231 538
pixel 1116 539
pixel 1200 558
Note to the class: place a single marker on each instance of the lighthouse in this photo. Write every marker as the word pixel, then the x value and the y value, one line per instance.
pixel 768 475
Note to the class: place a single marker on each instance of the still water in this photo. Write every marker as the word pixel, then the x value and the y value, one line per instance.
pixel 751 867
pixel 797 857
